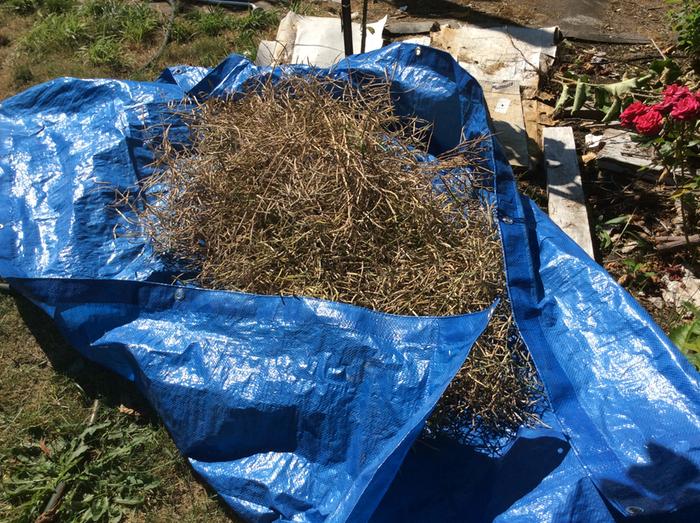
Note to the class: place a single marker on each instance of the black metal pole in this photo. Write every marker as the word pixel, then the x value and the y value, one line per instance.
pixel 364 25
pixel 346 24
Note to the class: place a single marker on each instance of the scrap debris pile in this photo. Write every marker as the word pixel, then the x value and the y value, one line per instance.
pixel 311 187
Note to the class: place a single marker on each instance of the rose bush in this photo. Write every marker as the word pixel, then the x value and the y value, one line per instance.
pixel 672 128
pixel 679 102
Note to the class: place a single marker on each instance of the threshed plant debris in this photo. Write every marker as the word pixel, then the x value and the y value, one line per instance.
pixel 312 187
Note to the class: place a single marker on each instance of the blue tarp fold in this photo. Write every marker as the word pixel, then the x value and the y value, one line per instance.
pixel 300 409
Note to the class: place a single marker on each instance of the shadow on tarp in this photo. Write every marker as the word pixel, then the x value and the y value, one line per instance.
pixel 442 480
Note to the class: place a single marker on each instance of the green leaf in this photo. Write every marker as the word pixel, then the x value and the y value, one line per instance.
pixel 623 218
pixel 687 338
pixel 613 112
pixel 563 98
pixel 579 96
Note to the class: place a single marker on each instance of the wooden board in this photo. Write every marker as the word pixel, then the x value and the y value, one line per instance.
pixel 506 110
pixel 567 204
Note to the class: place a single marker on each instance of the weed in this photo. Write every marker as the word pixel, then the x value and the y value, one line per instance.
pixel 139 23
pixel 686 335
pixel 22 7
pixel 46 393
pixel 213 21
pixel 22 75
pixel 105 51
pixel 257 20
pixel 302 7
pixel 55 33
pixel 134 22
pixel 58 6
pixel 184 29
pixel 637 274
pixel 105 468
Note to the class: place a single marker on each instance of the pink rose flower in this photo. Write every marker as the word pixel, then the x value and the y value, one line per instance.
pixel 649 123
pixel 687 108
pixel 633 111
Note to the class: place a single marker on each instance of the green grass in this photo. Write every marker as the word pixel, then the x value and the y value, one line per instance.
pixel 115 38
pixel 95 20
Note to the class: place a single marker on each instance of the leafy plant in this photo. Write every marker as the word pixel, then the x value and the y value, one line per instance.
pixel 105 469
pixel 301 7
pixel 89 23
pixel 638 272
pixel 606 97
pixel 686 21
pixel 139 23
pixel 124 20
pixel 248 27
pixel 22 7
pixel 105 51
pixel 25 7
pixel 687 335
pixel 184 29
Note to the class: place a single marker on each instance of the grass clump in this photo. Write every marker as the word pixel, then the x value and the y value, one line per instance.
pixel 235 33
pixel 105 468
pixel 211 22
pixel 131 20
pixel 57 32
pixel 95 22
pixel 105 51
pixel 317 189
pixel 22 75
pixel 26 7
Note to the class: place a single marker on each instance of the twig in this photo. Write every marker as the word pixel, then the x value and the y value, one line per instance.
pixel 658 49
pixel 50 509
pixel 673 243
pixel 93 412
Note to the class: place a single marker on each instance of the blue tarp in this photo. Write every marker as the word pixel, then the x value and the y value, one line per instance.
pixel 301 409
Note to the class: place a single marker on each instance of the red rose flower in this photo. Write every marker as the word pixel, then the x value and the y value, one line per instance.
pixel 649 123
pixel 672 94
pixel 687 108
pixel 633 111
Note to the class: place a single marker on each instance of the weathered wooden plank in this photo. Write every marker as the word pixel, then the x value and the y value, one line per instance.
pixel 400 27
pixel 567 204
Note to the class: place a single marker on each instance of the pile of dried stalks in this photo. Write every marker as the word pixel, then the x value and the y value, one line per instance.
pixel 289 190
